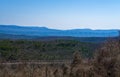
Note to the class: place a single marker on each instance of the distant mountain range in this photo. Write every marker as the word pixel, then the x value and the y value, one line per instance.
pixel 46 32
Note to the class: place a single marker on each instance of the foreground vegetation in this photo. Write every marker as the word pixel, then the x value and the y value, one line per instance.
pixel 105 63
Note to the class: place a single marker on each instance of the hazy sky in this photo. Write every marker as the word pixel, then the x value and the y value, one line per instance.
pixel 62 14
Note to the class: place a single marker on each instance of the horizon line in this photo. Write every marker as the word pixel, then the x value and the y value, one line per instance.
pixel 55 28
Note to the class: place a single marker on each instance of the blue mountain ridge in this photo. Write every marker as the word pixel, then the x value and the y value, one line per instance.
pixel 43 31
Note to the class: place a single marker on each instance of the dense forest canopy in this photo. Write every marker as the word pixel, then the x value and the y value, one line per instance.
pixel 44 50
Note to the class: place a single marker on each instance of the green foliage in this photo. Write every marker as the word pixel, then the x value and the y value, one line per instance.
pixel 47 50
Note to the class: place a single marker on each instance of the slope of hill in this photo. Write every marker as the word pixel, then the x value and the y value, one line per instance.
pixel 43 31
pixel 50 38
pixel 39 50
pixel 16 37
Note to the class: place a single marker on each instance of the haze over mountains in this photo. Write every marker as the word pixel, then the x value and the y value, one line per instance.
pixel 45 32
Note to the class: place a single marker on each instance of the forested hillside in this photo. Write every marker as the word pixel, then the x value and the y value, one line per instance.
pixel 44 50
pixel 44 31
pixel 105 63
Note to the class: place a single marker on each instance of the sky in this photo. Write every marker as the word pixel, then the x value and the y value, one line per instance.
pixel 61 14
